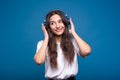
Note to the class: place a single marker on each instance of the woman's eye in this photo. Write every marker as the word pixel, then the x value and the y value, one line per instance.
pixel 51 23
pixel 60 21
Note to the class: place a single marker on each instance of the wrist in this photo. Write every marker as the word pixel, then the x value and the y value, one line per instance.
pixel 46 38
pixel 73 33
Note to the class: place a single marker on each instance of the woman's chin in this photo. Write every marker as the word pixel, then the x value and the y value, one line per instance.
pixel 59 34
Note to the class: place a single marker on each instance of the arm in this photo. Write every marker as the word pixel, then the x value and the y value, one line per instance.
pixel 40 54
pixel 84 48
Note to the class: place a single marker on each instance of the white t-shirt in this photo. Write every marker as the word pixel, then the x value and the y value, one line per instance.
pixel 64 69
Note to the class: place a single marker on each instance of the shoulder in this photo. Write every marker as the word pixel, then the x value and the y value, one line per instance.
pixel 39 43
pixel 76 48
pixel 73 41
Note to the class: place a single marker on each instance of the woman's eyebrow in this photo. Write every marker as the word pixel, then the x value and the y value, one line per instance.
pixel 54 21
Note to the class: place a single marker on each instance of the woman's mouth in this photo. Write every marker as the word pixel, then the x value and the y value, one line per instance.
pixel 58 30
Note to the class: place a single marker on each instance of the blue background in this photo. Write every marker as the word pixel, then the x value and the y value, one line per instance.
pixel 96 21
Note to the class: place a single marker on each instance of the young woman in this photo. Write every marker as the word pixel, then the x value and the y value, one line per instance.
pixel 60 47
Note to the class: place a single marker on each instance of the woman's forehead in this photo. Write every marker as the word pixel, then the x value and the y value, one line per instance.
pixel 55 17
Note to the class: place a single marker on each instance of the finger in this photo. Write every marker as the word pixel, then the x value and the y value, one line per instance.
pixel 70 31
pixel 43 25
pixel 71 22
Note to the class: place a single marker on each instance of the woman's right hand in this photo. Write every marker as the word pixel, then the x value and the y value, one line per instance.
pixel 45 32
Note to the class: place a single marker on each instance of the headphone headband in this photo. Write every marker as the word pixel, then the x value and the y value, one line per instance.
pixel 63 13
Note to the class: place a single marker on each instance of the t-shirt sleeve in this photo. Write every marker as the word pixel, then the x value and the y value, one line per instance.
pixel 76 48
pixel 39 44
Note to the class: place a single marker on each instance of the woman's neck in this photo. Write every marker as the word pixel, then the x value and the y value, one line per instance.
pixel 58 39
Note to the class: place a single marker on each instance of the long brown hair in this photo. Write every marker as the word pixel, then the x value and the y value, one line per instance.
pixel 66 43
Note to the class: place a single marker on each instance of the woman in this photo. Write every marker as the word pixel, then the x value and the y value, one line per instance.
pixel 60 47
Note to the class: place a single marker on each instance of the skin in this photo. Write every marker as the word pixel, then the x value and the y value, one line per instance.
pixel 58 28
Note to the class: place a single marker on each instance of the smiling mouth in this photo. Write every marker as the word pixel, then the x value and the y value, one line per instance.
pixel 58 30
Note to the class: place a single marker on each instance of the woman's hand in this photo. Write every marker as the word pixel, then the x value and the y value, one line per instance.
pixel 84 48
pixel 72 30
pixel 45 32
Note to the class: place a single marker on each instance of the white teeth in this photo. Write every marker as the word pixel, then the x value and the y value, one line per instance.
pixel 58 30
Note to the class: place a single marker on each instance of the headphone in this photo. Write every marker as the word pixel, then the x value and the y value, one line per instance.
pixel 63 13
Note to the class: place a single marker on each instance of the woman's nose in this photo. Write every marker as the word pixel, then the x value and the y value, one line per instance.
pixel 57 25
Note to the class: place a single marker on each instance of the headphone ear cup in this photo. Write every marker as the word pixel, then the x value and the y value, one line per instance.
pixel 44 23
pixel 68 21
pixel 67 18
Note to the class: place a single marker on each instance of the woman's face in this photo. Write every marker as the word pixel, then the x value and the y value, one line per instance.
pixel 56 25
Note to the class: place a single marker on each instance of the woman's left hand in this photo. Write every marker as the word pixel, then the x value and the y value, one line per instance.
pixel 72 27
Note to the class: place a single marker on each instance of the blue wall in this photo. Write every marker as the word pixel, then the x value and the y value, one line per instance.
pixel 96 21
